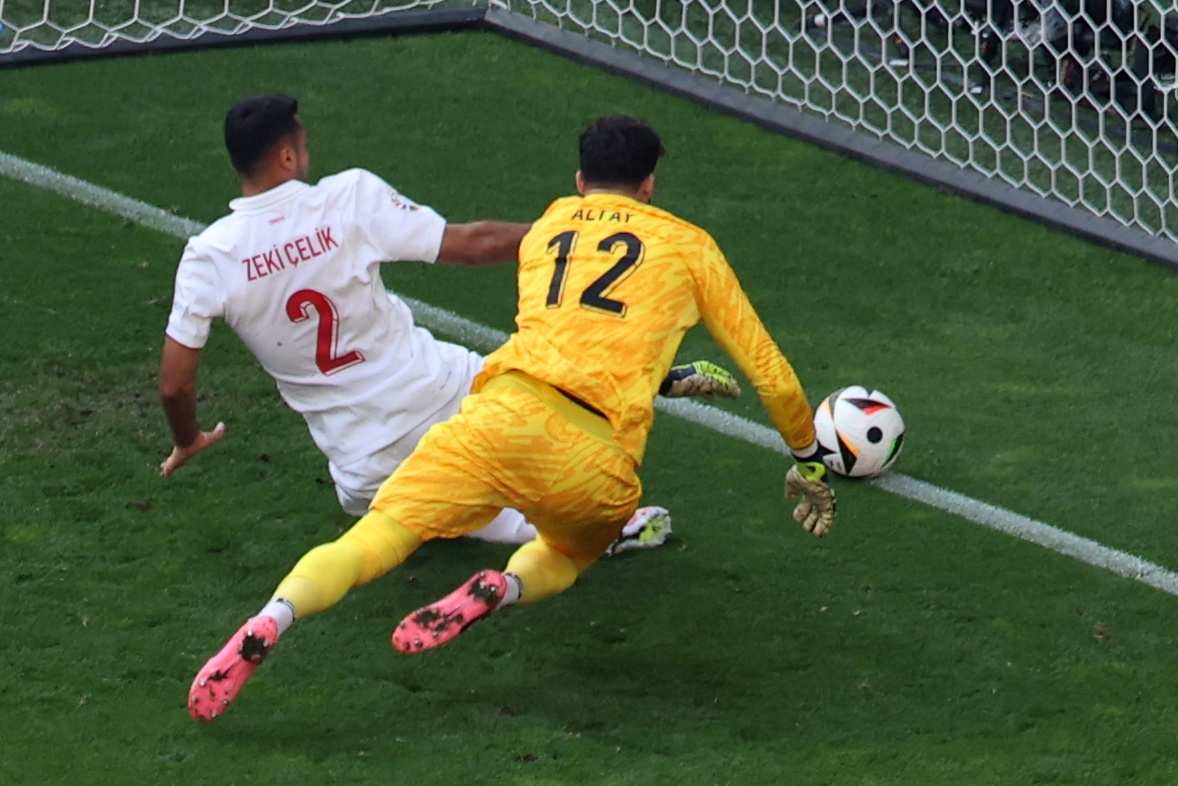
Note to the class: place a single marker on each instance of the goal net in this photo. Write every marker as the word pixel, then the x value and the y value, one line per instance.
pixel 1072 100
pixel 54 25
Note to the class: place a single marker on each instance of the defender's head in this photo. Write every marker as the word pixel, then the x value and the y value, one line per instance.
pixel 266 139
pixel 619 154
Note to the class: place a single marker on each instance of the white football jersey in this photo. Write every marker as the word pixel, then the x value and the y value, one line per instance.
pixel 295 272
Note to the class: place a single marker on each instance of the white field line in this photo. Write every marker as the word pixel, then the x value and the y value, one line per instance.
pixel 484 338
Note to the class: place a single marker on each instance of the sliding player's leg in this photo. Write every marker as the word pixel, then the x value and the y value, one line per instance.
pixel 648 528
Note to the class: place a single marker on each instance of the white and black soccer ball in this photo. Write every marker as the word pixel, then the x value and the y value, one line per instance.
pixel 860 432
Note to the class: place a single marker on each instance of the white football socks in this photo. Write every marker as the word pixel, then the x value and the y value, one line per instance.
pixel 515 588
pixel 282 612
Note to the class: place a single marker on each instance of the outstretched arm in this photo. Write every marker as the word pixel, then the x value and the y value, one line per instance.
pixel 177 386
pixel 736 327
pixel 481 243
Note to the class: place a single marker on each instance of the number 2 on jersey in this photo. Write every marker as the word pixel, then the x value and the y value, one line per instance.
pixel 594 294
pixel 298 309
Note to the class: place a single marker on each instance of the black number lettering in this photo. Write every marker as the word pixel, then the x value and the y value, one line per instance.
pixel 594 294
pixel 564 246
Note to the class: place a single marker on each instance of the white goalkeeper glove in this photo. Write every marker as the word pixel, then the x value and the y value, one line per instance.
pixel 701 378
pixel 808 479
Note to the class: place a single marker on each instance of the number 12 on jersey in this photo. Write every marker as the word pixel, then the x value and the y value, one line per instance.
pixel 627 245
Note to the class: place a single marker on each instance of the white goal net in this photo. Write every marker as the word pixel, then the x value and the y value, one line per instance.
pixel 56 24
pixel 1073 100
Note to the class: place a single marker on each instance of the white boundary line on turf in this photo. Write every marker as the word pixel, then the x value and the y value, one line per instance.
pixel 485 338
pixel 97 196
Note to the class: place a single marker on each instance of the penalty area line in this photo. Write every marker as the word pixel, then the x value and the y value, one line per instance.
pixel 485 339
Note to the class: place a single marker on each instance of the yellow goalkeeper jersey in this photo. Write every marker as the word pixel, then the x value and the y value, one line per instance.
pixel 608 286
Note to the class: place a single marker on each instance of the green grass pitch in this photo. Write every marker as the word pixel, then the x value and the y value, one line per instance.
pixel 909 647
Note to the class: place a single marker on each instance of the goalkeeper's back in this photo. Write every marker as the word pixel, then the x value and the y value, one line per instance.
pixel 608 286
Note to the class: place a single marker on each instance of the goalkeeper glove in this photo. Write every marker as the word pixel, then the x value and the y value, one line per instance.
pixel 701 378
pixel 808 479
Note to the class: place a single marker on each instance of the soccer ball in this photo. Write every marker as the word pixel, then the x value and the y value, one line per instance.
pixel 860 432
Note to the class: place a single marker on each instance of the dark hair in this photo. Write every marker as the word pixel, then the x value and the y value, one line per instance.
pixel 619 151
pixel 254 125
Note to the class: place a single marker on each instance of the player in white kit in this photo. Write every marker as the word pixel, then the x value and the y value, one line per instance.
pixel 294 270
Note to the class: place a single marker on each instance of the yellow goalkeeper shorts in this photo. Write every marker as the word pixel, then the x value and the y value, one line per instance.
pixel 517 443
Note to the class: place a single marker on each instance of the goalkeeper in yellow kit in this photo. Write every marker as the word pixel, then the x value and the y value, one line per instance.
pixel 558 420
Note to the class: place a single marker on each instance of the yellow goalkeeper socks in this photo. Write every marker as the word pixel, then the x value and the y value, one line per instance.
pixel 541 571
pixel 372 547
pixel 321 578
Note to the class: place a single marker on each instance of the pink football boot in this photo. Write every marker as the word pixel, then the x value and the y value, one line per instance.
pixel 218 683
pixel 441 621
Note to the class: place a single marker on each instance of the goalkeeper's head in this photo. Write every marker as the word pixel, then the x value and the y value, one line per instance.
pixel 618 155
pixel 266 140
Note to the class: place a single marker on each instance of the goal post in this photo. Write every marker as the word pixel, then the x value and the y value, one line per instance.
pixel 1062 108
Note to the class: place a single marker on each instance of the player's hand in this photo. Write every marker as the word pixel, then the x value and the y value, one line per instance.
pixel 180 455
pixel 701 378
pixel 815 511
